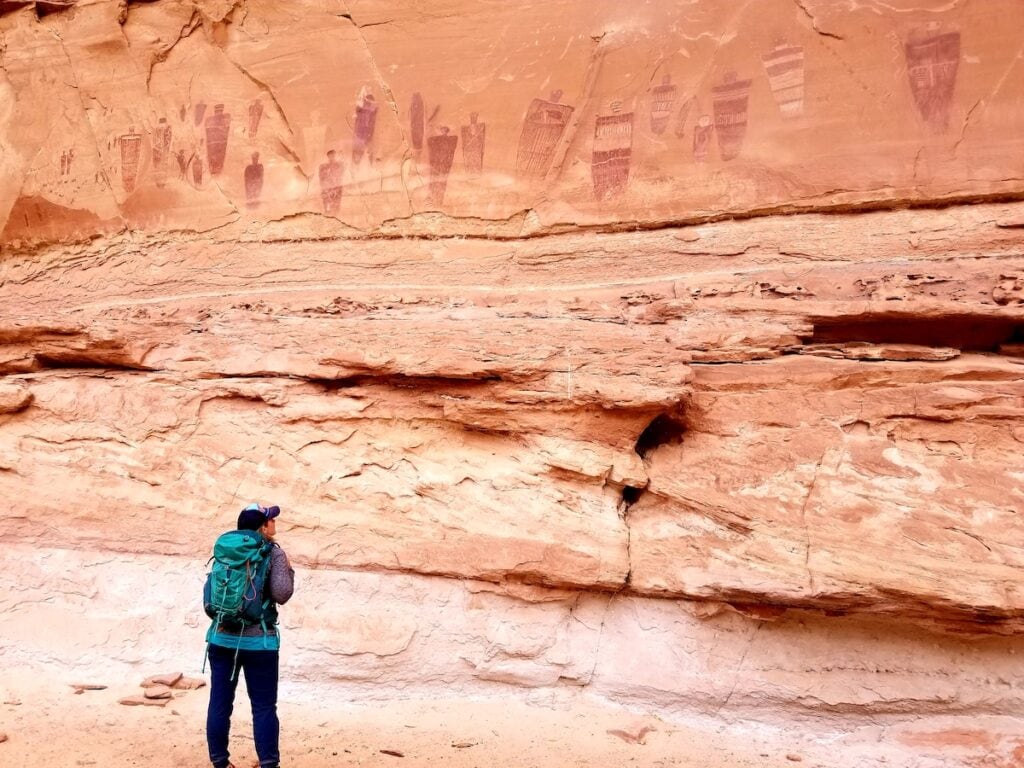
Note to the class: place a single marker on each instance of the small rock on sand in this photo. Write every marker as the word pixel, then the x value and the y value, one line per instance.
pixel 83 687
pixel 142 701
pixel 635 737
pixel 158 692
pixel 169 679
pixel 794 758
pixel 3 738
pixel 189 684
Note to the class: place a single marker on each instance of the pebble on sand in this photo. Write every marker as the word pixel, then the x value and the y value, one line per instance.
pixel 142 701
pixel 169 679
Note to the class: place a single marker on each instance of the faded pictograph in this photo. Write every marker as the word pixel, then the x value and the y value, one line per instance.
pixel 365 123
pixel 196 163
pixel 66 158
pixel 182 159
pixel 663 101
pixel 612 154
pixel 416 120
pixel 473 138
pixel 130 145
pixel 933 59
pixel 684 113
pixel 218 128
pixel 729 101
pixel 331 174
pixel 199 112
pixel 784 65
pixel 161 150
pixel 253 181
pixel 255 115
pixel 545 122
pixel 703 131
pixel 440 153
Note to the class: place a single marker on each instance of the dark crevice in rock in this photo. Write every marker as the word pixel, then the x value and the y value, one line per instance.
pixel 405 381
pixel 969 333
pixel 84 362
pixel 631 495
pixel 41 7
pixel 666 429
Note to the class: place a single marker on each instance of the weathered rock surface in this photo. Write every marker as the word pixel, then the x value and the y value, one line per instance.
pixel 673 352
pixel 210 115
pixel 789 432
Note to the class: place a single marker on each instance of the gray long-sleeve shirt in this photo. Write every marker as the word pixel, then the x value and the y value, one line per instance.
pixel 280 586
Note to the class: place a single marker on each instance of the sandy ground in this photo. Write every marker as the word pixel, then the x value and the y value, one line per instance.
pixel 49 725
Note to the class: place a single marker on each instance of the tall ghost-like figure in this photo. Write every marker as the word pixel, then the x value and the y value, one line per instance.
pixel 161 150
pixel 440 153
pixel 473 137
pixel 331 183
pixel 253 181
pixel 130 145
pixel 366 121
pixel 933 59
pixel 218 127
pixel 546 120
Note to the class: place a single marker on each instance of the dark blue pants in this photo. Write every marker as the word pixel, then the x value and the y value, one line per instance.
pixel 260 670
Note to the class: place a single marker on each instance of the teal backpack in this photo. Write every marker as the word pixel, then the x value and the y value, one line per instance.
pixel 234 594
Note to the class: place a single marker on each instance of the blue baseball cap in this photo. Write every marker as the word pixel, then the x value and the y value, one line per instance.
pixel 254 516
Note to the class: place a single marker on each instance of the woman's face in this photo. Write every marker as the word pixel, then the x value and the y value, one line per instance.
pixel 270 529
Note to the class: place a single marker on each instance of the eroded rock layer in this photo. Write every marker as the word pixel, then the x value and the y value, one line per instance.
pixel 572 329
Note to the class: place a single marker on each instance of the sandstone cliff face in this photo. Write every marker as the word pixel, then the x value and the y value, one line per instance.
pixel 557 330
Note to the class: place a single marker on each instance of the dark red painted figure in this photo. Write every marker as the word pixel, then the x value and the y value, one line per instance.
pixel 543 127
pixel 440 153
pixel 218 126
pixel 366 121
pixel 253 181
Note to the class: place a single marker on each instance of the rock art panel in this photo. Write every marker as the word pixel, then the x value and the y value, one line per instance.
pixel 784 65
pixel 67 157
pixel 255 116
pixel 218 129
pixel 612 153
pixel 729 100
pixel 474 136
pixel 417 121
pixel 161 149
pixel 662 103
pixel 703 133
pixel 933 58
pixel 684 113
pixel 364 126
pixel 130 145
pixel 543 126
pixel 440 154
pixel 331 175
pixel 253 181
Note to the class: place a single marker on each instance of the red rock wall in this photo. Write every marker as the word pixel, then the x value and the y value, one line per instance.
pixel 735 323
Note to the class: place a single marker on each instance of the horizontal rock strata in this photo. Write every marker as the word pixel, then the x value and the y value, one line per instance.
pixel 744 435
